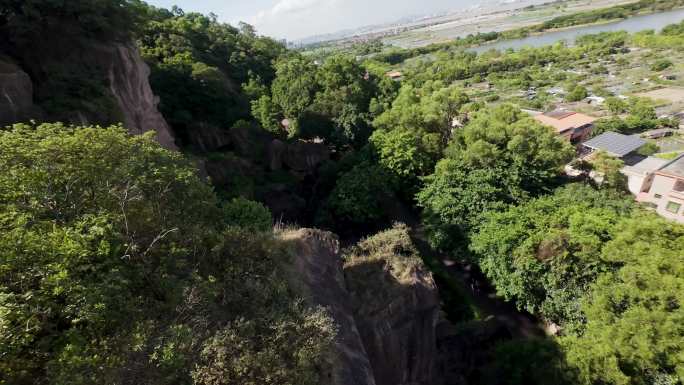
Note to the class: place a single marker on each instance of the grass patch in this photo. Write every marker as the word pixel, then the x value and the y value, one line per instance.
pixel 668 155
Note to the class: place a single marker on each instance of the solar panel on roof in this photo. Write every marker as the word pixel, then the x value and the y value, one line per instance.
pixel 616 144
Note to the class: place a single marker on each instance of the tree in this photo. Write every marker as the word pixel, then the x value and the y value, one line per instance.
pixel 454 197
pixel 248 215
pixel 293 89
pixel 359 194
pixel 577 94
pixel 407 154
pixel 115 256
pixel 432 108
pixel 502 156
pixel 506 138
pixel 198 65
pixel 543 254
pixel 610 169
pixel 616 105
pixel 633 334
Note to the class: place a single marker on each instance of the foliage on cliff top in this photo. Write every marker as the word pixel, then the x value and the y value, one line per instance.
pixel 117 266
pixel 379 266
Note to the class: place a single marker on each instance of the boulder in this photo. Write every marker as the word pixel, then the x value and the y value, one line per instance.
pixel 249 141
pixel 16 94
pixel 317 271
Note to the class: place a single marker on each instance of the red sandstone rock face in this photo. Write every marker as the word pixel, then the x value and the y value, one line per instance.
pixel 129 83
pixel 318 274
pixel 123 68
pixel 387 325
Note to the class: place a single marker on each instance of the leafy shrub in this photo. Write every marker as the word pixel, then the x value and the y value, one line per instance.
pixel 248 214
pixel 577 94
pixel 116 267
pixel 649 149
pixel 661 65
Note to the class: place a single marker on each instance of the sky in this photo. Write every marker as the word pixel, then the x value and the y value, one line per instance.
pixel 296 19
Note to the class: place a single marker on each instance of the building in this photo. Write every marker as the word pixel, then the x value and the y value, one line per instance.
pixel 617 145
pixel 664 190
pixel 638 172
pixel 658 133
pixel 395 75
pixel 573 126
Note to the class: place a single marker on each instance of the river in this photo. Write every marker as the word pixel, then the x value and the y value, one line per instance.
pixel 655 21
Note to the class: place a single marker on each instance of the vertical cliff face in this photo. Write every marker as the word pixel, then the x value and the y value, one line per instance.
pixel 318 274
pixel 384 301
pixel 16 93
pixel 103 82
pixel 396 308
pixel 128 80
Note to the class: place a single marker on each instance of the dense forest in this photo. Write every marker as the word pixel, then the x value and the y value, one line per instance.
pixel 122 262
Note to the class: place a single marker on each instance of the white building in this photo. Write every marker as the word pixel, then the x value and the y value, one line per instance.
pixel 662 189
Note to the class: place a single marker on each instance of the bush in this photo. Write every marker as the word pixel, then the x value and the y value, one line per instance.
pixel 116 267
pixel 247 214
pixel 577 94
pixel 649 149
pixel 661 65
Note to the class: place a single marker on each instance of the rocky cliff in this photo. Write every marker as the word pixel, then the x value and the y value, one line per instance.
pixel 396 307
pixel 383 299
pixel 318 275
pixel 90 83
pixel 128 81
pixel 16 93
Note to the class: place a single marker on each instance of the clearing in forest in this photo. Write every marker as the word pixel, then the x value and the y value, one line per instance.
pixel 671 94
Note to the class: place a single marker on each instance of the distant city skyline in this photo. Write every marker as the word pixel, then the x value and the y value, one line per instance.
pixel 297 19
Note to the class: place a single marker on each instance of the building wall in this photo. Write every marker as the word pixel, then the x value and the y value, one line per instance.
pixel 661 193
pixel 635 182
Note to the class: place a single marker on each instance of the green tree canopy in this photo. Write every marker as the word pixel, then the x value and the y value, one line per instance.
pixel 115 257
pixel 544 254
pixel 634 315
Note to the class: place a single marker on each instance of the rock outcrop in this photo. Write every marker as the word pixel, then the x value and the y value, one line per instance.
pixel 302 158
pixel 45 69
pixel 384 301
pixel 128 77
pixel 207 138
pixel 16 94
pixel 396 307
pixel 318 272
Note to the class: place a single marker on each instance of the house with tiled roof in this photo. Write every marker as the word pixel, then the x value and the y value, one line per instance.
pixel 573 126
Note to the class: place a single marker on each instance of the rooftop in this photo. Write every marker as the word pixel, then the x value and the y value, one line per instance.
pixel 675 167
pixel 615 144
pixel 563 120
pixel 395 74
pixel 646 165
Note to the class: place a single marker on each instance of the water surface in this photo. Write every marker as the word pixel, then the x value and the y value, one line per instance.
pixel 655 21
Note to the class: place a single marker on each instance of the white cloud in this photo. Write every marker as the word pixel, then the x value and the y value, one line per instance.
pixel 293 6
pixel 290 17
